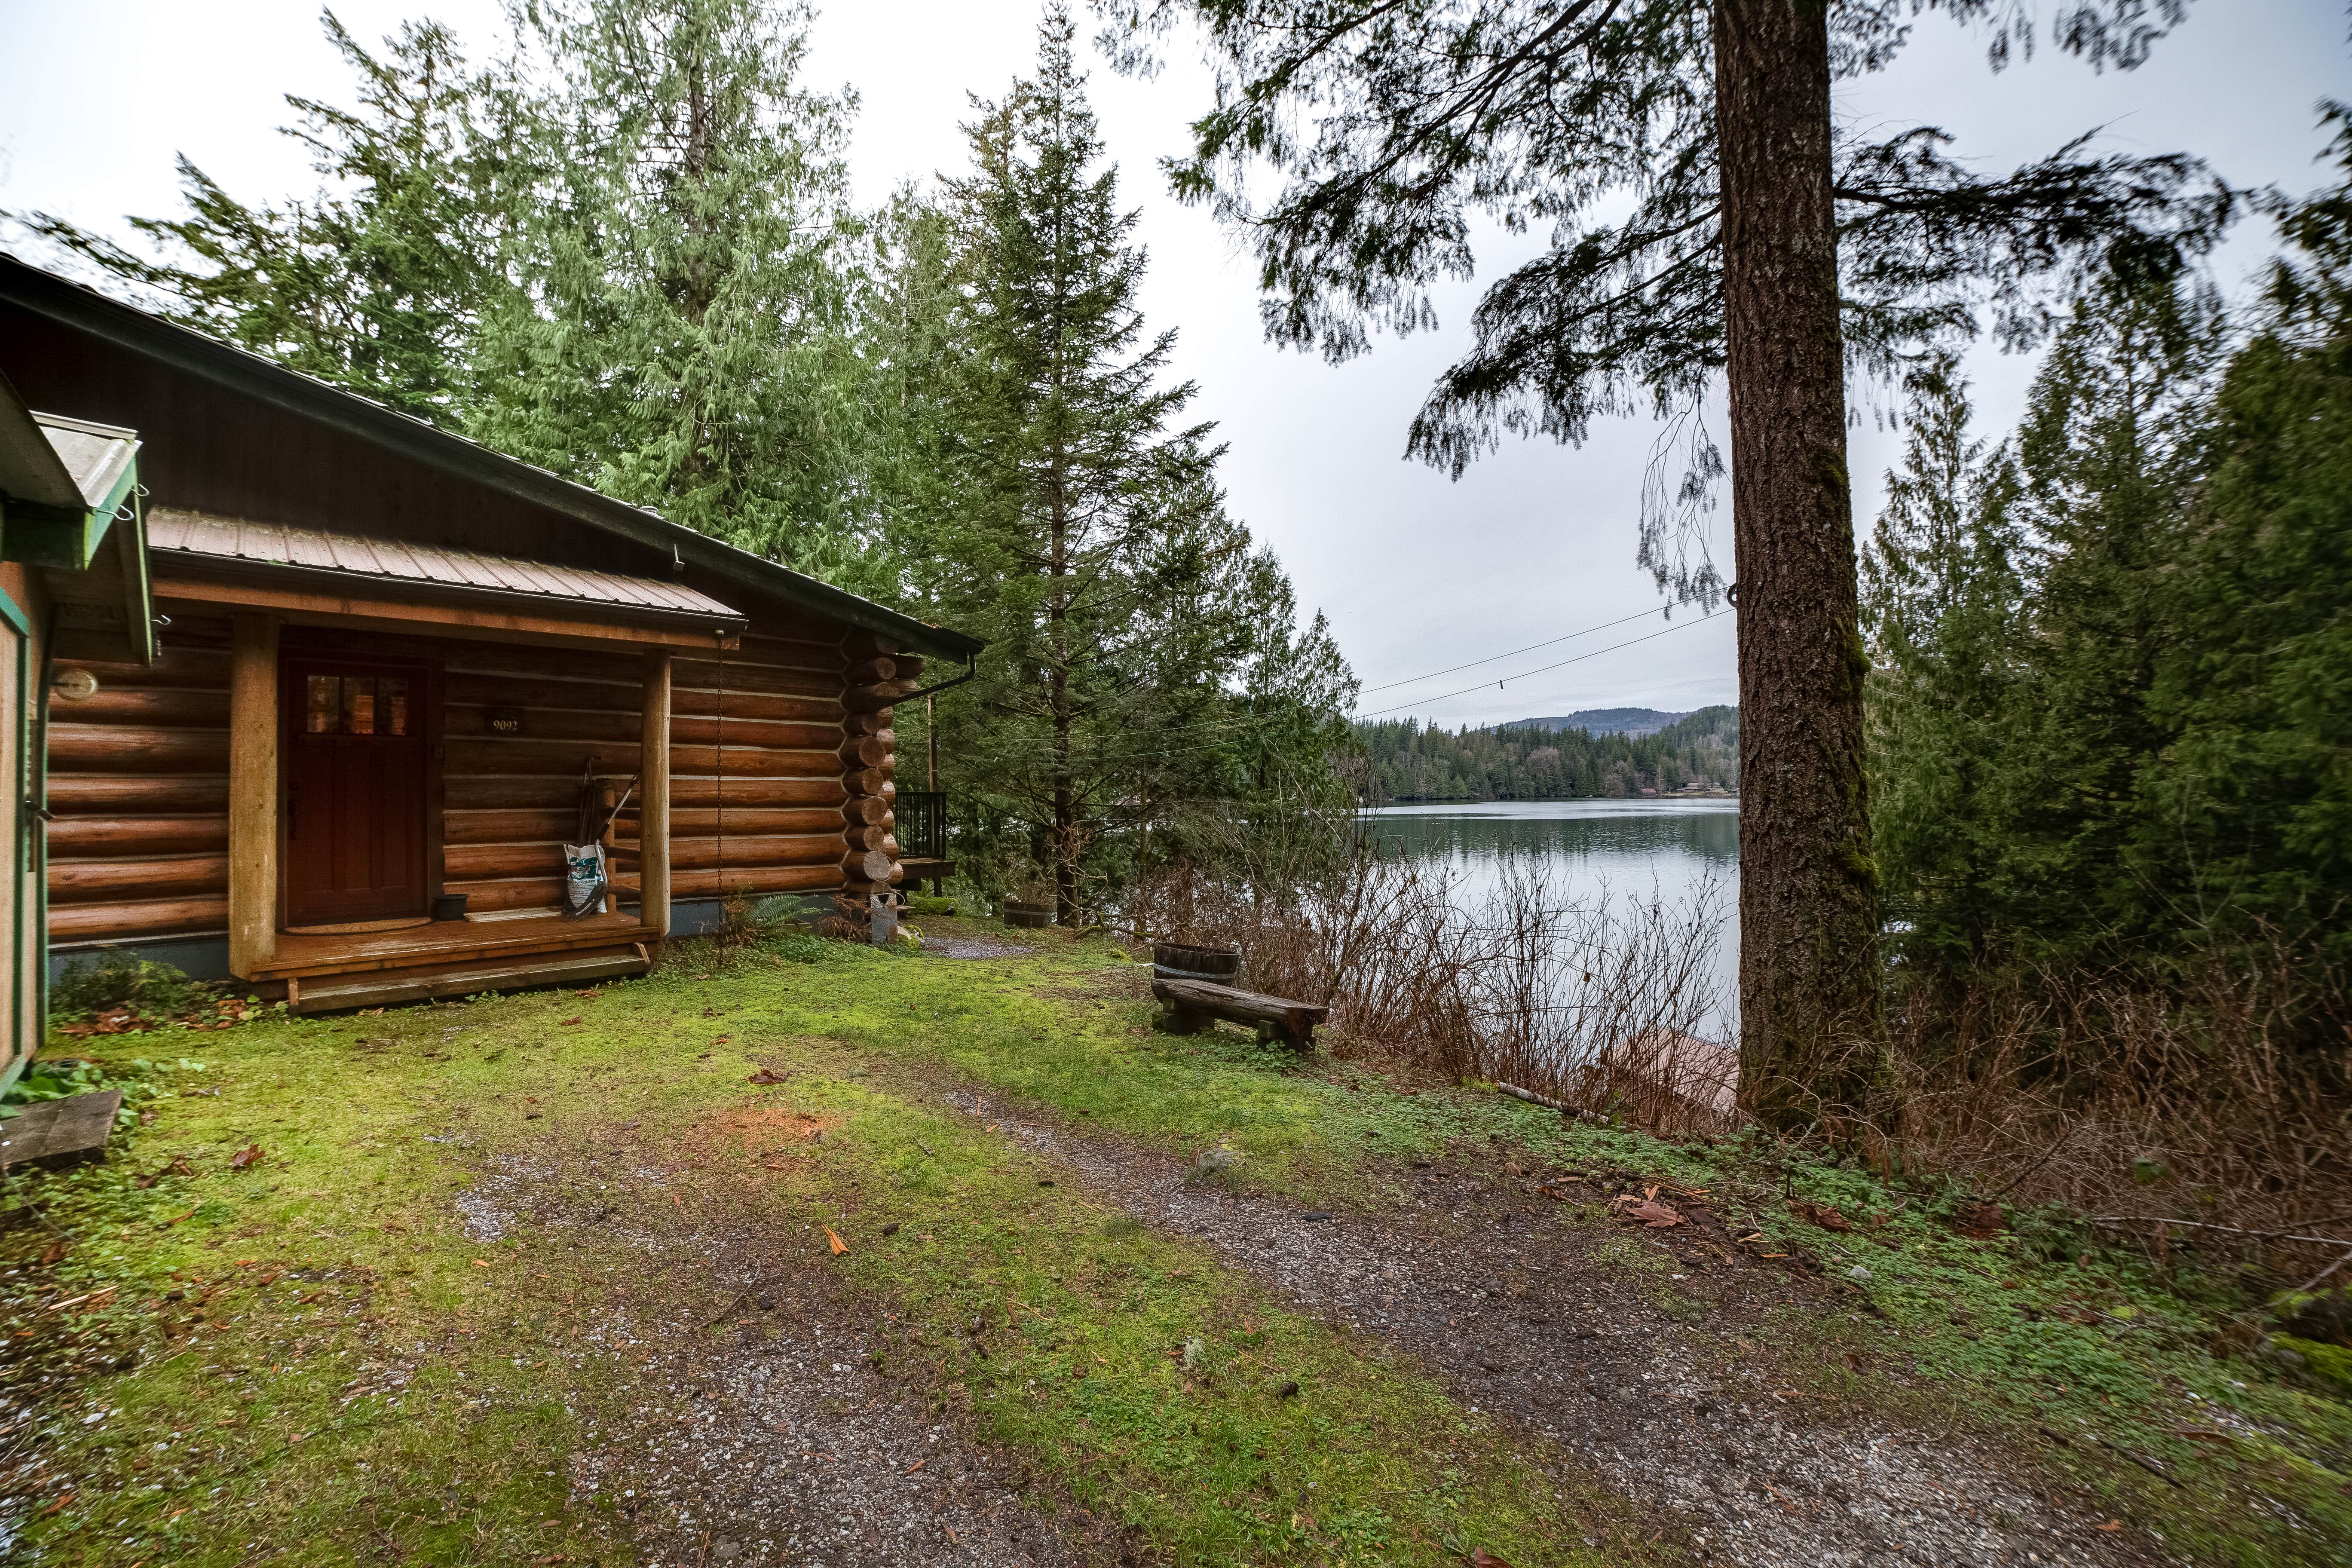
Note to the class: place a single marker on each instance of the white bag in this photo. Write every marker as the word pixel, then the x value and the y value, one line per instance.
pixel 583 879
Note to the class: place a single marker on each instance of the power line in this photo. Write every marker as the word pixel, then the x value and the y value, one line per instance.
pixel 1540 669
pixel 1567 636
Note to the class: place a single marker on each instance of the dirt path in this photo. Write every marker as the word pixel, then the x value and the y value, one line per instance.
pixel 757 1431
pixel 1512 1309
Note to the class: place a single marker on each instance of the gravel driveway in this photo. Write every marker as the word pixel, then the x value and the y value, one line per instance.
pixel 1511 1308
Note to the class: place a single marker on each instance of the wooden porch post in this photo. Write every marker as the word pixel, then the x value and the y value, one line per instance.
pixel 653 816
pixel 252 794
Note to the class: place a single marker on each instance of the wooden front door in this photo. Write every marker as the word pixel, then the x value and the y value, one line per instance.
pixel 356 760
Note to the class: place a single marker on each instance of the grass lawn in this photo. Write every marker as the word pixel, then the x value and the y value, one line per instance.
pixel 447 1283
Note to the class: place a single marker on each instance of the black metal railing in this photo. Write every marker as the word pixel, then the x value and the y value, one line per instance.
pixel 922 824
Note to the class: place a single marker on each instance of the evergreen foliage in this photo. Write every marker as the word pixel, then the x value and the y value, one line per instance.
pixel 1391 128
pixel 1144 666
pixel 1707 219
pixel 2110 716
pixel 682 337
pixel 627 253
pixel 1408 761
pixel 379 281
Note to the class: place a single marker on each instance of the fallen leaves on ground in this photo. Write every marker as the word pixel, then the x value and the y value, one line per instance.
pixel 249 1155
pixel 1978 1222
pixel 1482 1558
pixel 1826 1215
pixel 765 1075
pixel 1647 1211
pixel 176 1166
pixel 839 1246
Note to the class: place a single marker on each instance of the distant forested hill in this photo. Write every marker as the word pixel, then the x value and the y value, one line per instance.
pixel 1409 762
pixel 1603 721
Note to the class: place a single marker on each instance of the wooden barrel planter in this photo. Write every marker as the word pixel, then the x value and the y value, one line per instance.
pixel 1180 960
pixel 1034 917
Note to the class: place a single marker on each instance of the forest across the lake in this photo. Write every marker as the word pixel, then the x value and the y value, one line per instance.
pixel 1408 761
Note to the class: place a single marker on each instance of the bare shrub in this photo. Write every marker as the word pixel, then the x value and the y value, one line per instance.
pixel 2210 1108
pixel 1596 1002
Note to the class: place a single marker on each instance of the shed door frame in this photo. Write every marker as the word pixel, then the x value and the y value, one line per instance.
pixel 424 676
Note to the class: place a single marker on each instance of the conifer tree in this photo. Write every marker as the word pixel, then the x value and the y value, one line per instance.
pixel 686 251
pixel 1706 221
pixel 1941 612
pixel 1142 651
pixel 2112 729
pixel 377 283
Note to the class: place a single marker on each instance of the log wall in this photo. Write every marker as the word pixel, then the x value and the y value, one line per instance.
pixel 755 787
pixel 877 677
pixel 139 791
pixel 140 775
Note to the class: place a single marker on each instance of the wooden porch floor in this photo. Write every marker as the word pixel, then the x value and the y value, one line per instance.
pixel 447 942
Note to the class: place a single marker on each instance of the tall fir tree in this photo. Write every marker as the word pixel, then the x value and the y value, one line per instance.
pixel 686 252
pixel 1707 219
pixel 1940 611
pixel 1143 654
pixel 2113 730
pixel 378 282
pixel 2109 452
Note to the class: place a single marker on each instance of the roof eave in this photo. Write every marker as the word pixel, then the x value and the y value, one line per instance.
pixel 85 309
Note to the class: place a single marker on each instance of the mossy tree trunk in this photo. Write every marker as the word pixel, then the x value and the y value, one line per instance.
pixel 1808 916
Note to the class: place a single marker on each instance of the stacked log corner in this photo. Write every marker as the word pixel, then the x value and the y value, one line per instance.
pixel 876 677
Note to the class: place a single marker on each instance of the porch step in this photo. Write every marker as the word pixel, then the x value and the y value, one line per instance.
pixel 379 988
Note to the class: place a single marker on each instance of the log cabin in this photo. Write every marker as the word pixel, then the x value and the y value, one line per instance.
pixel 389 669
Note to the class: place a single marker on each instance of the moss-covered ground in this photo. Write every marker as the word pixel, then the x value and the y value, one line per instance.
pixel 262 1330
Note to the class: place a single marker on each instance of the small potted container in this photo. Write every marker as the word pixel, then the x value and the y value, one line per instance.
pixel 450 907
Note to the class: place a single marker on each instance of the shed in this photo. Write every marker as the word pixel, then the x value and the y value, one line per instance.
pixel 388 663
pixel 71 551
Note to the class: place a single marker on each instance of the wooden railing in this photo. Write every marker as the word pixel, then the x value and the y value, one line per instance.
pixel 922 826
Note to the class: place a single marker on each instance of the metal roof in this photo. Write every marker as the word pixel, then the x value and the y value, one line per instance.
pixel 97 455
pixel 85 309
pixel 171 532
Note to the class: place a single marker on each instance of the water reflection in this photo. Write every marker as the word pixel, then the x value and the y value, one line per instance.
pixel 1630 845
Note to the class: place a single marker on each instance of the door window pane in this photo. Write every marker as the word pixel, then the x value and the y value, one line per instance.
pixel 359 705
pixel 320 705
pixel 392 718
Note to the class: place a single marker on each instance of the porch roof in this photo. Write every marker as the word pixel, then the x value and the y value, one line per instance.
pixel 353 558
pixel 99 457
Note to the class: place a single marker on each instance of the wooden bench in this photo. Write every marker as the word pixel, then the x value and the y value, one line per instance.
pixel 1192 1003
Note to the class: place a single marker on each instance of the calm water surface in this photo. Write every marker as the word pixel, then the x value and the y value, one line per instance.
pixel 1632 846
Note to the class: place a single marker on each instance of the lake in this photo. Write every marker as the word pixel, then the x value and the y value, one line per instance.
pixel 1632 846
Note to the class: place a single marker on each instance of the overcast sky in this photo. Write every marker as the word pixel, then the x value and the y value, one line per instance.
pixel 1417 572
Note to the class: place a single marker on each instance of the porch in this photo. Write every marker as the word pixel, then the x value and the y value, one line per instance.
pixel 327 971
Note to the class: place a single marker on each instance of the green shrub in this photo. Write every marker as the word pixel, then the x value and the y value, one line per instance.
pixel 928 906
pixel 62 1078
pixel 797 944
pixel 2327 1366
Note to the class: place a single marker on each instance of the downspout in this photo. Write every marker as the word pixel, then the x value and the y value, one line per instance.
pixel 971 669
